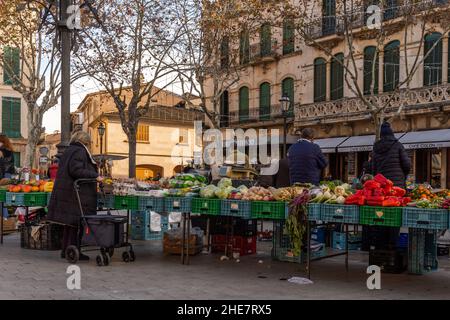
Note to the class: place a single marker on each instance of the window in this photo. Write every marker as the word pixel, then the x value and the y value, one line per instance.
pixel 288 36
pixel 320 80
pixel 266 40
pixel 264 101
pixel 432 65
pixel 143 133
pixel 11 117
pixel 243 104
pixel 224 53
pixel 390 9
pixel 224 109
pixel 17 159
pixel 337 77
pixel 328 17
pixel 287 87
pixel 391 66
pixel 371 56
pixel 244 48
pixel 184 136
pixel 11 64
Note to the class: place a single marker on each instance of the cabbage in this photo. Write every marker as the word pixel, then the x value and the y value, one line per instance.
pixel 208 192
pixel 223 193
pixel 225 182
pixel 242 189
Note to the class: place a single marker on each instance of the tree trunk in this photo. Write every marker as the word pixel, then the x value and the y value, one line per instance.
pixel 132 155
pixel 34 134
pixel 377 124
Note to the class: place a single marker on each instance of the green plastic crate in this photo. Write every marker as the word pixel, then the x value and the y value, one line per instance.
pixel 206 206
pixel 31 199
pixel 2 195
pixel 126 202
pixel 275 210
pixel 314 211
pixel 381 216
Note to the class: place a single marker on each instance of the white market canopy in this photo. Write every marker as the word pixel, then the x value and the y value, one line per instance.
pixel 329 145
pixel 426 139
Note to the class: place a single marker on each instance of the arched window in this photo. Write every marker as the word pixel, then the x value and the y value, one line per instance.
pixel 337 77
pixel 371 73
pixel 244 48
pixel 224 109
pixel 264 101
pixel 288 36
pixel 320 80
pixel 432 65
pixel 391 66
pixel 287 88
pixel 243 104
pixel 266 39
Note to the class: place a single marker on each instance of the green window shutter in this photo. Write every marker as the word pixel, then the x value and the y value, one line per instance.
pixel 17 159
pixel 328 17
pixel 287 86
pixel 224 53
pixel 266 40
pixel 243 104
pixel 369 57
pixel 264 101
pixel 391 66
pixel 11 63
pixel 11 117
pixel 337 77
pixel 288 36
pixel 320 80
pixel 244 48
pixel 432 66
pixel 224 109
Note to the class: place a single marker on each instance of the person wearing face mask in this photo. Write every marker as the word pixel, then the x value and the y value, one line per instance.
pixel 6 157
pixel 75 163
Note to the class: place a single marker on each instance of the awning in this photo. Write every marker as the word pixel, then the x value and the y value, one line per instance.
pixel 360 143
pixel 329 145
pixel 426 139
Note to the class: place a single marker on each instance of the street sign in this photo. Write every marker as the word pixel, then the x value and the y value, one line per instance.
pixel 43 160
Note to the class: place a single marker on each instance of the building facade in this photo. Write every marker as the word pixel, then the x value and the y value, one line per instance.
pixel 13 116
pixel 280 61
pixel 165 137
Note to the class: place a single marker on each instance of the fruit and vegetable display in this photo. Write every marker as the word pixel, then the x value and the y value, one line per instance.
pixel 223 190
pixel 295 226
pixel 330 193
pixel 286 194
pixel 29 186
pixel 379 192
pixel 258 194
pixel 423 197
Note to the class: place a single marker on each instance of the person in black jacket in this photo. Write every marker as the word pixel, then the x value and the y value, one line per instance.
pixel 306 160
pixel 6 157
pixel 75 163
pixel 390 158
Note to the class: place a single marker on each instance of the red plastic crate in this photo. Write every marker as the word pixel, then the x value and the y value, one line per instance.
pixel 218 239
pixel 246 245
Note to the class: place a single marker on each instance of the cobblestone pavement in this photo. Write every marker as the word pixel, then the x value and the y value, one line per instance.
pixel 27 274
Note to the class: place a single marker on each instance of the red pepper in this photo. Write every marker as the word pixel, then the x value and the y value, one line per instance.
pixel 391 203
pixel 381 179
pixel 368 192
pixel 359 193
pixel 375 198
pixel 406 200
pixel 378 192
pixel 373 203
pixel 362 201
pixel 371 184
pixel 399 192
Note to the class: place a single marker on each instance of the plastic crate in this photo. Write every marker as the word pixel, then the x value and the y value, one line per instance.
pixel 236 208
pixel 2 195
pixel 314 211
pixel 422 251
pixel 49 196
pixel 318 234
pixel 31 199
pixel 141 226
pixel 390 261
pixel 432 219
pixel 49 237
pixel 178 204
pixel 206 206
pixel 402 241
pixel 126 202
pixel 381 216
pixel 354 241
pixel 340 213
pixel 275 210
pixel 151 203
pixel 105 201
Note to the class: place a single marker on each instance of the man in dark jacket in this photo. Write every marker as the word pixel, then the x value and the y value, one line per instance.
pixel 76 163
pixel 390 158
pixel 306 160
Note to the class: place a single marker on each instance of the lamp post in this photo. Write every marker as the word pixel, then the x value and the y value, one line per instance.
pixel 285 103
pixel 101 132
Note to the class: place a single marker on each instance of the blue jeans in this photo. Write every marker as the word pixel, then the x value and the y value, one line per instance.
pixel 5 213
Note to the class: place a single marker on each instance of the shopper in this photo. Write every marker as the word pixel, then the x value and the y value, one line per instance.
pixel 282 179
pixel 6 157
pixel 306 160
pixel 75 163
pixel 390 158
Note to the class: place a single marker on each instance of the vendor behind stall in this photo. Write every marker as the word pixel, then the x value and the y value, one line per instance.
pixel 76 163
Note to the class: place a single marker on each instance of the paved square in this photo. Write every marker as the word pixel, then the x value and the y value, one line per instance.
pixel 28 274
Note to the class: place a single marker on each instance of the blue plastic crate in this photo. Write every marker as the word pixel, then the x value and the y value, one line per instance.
pixel 354 241
pixel 181 204
pixel 105 201
pixel 151 203
pixel 420 218
pixel 141 226
pixel 402 240
pixel 340 213
pixel 236 208
pixel 318 234
pixel 314 211
pixel 15 199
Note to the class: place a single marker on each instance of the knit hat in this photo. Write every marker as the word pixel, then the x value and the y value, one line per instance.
pixel 386 129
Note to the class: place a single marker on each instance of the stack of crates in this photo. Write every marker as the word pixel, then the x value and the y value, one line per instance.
pixel 354 240
pixel 422 253
pixel 141 226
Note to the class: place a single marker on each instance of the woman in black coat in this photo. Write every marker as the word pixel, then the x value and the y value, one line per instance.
pixel 6 157
pixel 390 158
pixel 76 163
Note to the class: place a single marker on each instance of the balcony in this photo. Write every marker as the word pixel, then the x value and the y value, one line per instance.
pixel 254 116
pixel 416 101
pixel 265 51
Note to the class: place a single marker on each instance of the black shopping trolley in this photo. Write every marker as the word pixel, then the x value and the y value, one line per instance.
pixel 105 232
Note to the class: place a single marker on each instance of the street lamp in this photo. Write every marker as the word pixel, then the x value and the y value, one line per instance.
pixel 101 132
pixel 285 105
